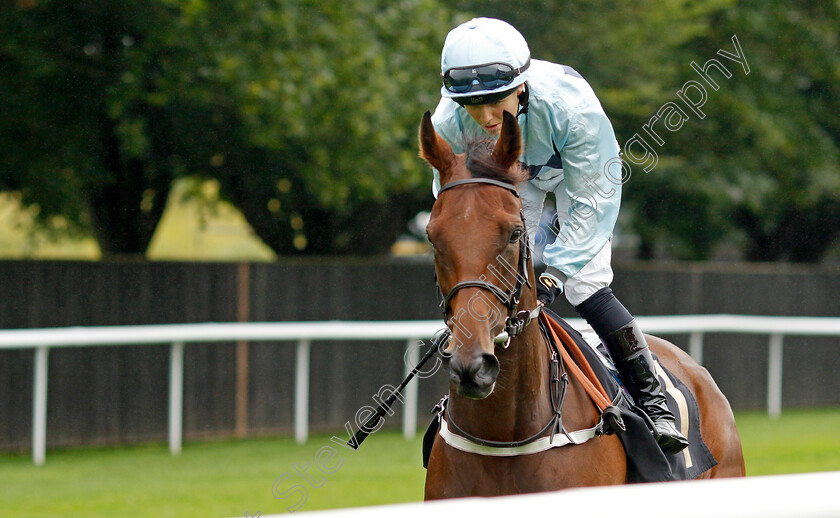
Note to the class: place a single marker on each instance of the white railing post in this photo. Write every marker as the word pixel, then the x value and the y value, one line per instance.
pixel 411 391
pixel 39 405
pixel 302 391
pixel 176 397
pixel 774 375
pixel 695 346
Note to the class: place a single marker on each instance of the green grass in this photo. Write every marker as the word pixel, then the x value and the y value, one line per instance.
pixel 800 441
pixel 225 478
pixel 232 477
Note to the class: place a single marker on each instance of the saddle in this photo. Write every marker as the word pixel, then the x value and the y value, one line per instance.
pixel 645 460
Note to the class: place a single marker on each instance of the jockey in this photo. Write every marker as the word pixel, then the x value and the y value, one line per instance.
pixel 570 150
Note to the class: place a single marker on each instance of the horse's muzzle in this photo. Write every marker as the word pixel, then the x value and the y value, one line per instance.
pixel 474 377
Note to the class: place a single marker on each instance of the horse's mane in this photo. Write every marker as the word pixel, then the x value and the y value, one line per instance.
pixel 479 161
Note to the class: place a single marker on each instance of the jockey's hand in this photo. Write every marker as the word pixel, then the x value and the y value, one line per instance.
pixel 548 289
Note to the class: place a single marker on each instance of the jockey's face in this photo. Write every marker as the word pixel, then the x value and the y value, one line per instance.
pixel 489 116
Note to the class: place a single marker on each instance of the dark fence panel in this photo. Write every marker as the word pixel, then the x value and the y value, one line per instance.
pixel 115 395
pixel 15 399
pixel 271 384
pixel 107 395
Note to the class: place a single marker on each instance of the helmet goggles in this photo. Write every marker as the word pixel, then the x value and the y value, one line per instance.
pixel 490 76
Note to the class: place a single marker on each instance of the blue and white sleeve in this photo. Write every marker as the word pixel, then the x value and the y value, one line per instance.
pixel 590 167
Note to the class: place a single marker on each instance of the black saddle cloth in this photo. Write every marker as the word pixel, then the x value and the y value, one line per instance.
pixel 645 460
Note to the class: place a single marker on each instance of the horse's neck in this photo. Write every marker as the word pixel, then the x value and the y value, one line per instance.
pixel 520 403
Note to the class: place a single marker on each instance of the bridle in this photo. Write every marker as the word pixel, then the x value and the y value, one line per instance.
pixel 516 321
pixel 514 325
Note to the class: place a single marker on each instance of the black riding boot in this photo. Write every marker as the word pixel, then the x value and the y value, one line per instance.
pixel 629 350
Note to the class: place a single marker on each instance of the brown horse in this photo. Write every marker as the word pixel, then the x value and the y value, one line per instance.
pixel 503 393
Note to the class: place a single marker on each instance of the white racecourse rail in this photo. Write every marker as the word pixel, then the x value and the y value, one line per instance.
pixel 811 495
pixel 303 333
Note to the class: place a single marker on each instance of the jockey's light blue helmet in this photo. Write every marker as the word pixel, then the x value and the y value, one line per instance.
pixel 473 58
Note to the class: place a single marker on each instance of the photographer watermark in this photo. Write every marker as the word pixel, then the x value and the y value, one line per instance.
pixel 672 115
pixel 368 420
pixel 693 95
pixel 295 484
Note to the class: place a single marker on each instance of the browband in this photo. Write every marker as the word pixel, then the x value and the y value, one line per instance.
pixel 504 185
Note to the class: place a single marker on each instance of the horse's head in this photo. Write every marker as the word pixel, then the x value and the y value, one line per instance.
pixel 481 249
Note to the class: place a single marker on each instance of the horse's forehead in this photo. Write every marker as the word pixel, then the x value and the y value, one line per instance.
pixel 472 212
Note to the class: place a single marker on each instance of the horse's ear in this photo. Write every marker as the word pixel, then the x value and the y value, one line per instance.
pixel 509 145
pixel 433 149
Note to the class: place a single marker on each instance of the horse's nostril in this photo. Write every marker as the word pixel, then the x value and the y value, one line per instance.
pixel 491 363
pixel 489 368
pixel 459 369
pixel 475 377
pixel 481 369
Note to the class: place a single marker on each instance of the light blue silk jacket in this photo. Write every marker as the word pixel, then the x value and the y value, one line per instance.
pixel 565 132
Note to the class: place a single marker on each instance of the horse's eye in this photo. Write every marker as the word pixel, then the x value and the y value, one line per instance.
pixel 515 235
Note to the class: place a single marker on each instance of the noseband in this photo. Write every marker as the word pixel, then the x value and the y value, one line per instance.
pixel 515 322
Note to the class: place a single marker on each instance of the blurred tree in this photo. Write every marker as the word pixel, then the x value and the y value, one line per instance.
pixel 64 146
pixel 305 111
pixel 774 137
